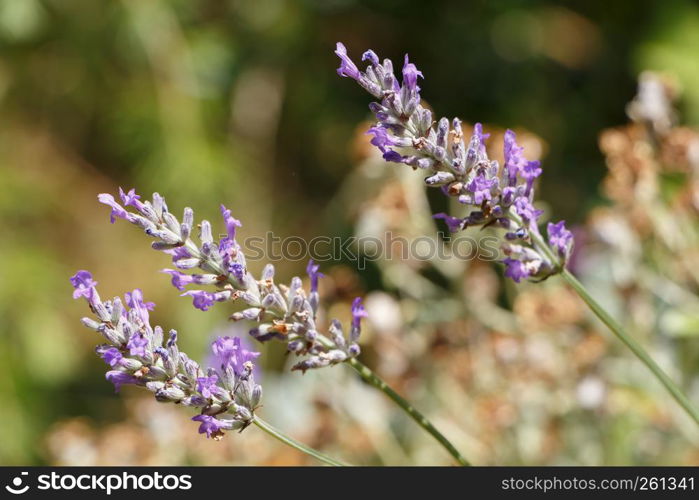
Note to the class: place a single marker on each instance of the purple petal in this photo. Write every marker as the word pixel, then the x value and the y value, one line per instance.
pixel 410 74
pixel 347 67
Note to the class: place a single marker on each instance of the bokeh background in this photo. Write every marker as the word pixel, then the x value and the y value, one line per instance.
pixel 237 101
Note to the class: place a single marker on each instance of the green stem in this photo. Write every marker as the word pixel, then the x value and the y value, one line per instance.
pixel 373 379
pixel 618 330
pixel 632 344
pixel 276 433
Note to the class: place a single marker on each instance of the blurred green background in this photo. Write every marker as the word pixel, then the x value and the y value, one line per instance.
pixel 235 101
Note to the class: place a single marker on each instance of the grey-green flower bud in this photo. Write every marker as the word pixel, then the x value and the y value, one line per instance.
pixel 169 394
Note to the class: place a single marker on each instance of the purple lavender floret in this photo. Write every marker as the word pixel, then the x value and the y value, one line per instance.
pixel 358 312
pixel 238 271
pixel 369 55
pixel 480 137
pixel 228 352
pixel 453 223
pixel 207 385
pixel 119 378
pixel 84 284
pixel 560 238
pixel 313 271
pixel 410 75
pixel 130 199
pixel 137 344
pixel 494 195
pixel 524 208
pixel 179 279
pixel 212 426
pixel 138 354
pixel 481 187
pixel 514 160
pixel 529 172
pixel 515 270
pixel 382 139
pixel 347 67
pixel 522 262
pixel 112 356
pixel 201 299
pixel 117 210
pixel 231 222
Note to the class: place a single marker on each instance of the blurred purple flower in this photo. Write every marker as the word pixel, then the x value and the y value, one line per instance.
pixel 515 269
pixel 453 223
pixel 526 210
pixel 513 156
pixel 358 312
pixel 560 238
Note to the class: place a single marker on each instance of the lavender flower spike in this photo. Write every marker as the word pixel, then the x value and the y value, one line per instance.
pixel 493 195
pixel 138 355
pixel 282 312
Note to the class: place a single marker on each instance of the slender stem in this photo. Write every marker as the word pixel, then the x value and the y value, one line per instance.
pixel 618 330
pixel 632 344
pixel 421 420
pixel 276 433
pixel 373 379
